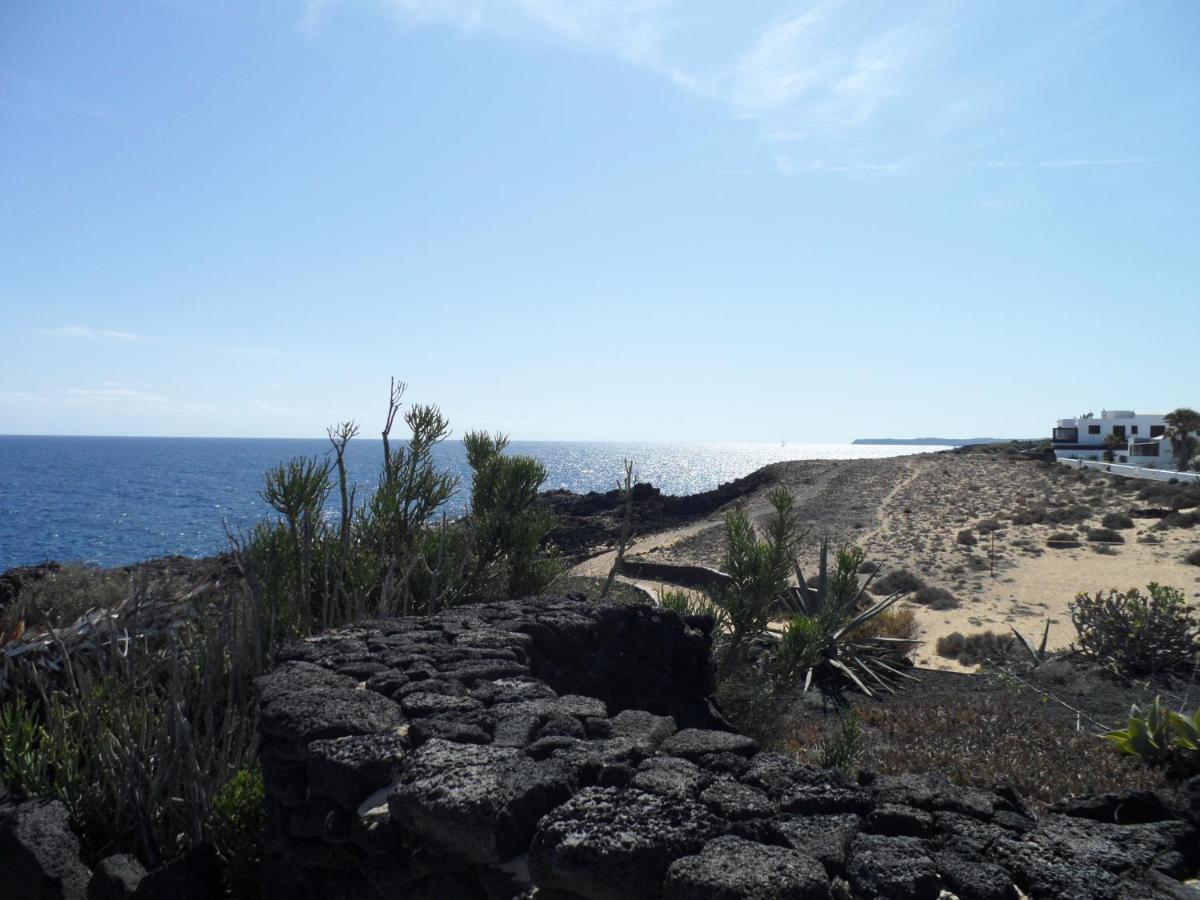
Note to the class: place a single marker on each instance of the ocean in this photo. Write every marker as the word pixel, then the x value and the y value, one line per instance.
pixel 117 500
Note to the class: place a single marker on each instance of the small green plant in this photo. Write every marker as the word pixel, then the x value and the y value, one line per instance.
pixel 236 826
pixel 841 749
pixel 689 603
pixel 1161 736
pixel 1136 633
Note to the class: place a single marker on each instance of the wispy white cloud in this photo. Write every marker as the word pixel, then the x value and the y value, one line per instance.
pixel 826 67
pixel 84 331
pixel 117 397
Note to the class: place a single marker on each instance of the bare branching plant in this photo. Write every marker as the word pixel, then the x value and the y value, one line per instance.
pixel 626 488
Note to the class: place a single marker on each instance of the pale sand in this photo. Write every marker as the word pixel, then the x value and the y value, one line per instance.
pixel 907 513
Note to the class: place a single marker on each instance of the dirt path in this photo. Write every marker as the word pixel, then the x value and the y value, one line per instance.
pixel 658 545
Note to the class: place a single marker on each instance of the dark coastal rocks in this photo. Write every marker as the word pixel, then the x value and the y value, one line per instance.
pixel 484 802
pixel 730 868
pixel 563 749
pixel 116 878
pixel 196 875
pixel 39 853
pixel 606 843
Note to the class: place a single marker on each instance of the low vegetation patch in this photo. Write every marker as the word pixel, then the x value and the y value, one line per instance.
pixel 1117 520
pixel 966 538
pixel 1062 540
pixel 993 737
pixel 1193 558
pixel 1175 496
pixel 936 598
pixel 1105 536
pixel 976 649
pixel 899 581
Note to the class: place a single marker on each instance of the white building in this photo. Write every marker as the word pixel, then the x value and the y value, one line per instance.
pixel 1137 439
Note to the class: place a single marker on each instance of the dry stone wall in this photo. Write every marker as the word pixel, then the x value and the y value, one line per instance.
pixel 567 749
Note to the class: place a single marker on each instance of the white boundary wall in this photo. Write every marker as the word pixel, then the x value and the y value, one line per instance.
pixel 1133 471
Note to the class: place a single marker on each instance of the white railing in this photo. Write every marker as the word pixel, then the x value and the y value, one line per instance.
pixel 1133 471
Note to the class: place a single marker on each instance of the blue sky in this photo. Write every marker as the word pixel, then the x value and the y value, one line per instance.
pixel 575 219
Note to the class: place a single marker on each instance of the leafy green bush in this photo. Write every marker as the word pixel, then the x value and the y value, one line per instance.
pixel 236 827
pixel 1135 633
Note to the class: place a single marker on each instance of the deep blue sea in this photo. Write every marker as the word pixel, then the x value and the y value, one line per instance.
pixel 117 500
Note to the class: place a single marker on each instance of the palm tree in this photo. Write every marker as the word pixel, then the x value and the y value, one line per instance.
pixel 1181 427
pixel 1111 444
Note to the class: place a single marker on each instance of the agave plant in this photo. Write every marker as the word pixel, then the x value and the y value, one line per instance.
pixel 1038 654
pixel 822 631
pixel 1158 734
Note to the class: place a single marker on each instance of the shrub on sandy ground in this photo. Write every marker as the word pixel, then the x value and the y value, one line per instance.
pixel 993 738
pixel 1176 520
pixel 966 538
pixel 1136 633
pixel 1067 515
pixel 1117 520
pixel 1062 540
pixel 1034 516
pixel 1174 496
pixel 896 622
pixel 1105 535
pixel 976 649
pixel 987 526
pixel 936 598
pixel 901 581
pixel 1193 558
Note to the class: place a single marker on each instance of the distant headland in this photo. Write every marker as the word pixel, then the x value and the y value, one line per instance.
pixel 930 441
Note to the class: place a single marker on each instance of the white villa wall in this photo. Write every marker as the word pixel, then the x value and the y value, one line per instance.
pixel 1133 471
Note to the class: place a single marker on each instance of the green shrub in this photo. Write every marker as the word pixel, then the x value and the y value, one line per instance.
pixel 1105 535
pixel 759 570
pixel 1193 558
pixel 987 526
pixel 1135 633
pixel 966 538
pixel 236 827
pixel 1117 520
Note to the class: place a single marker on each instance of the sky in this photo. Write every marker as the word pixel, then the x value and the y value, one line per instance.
pixel 662 220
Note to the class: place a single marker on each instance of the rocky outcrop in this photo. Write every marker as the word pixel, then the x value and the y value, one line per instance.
pixel 569 748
